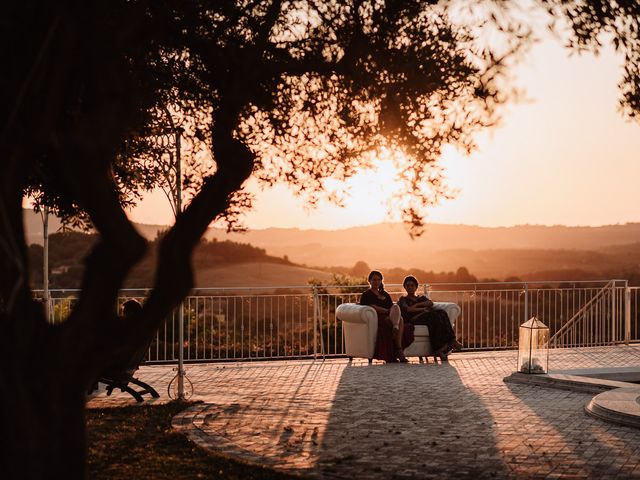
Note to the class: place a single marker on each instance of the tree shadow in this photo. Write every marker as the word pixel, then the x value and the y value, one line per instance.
pixel 268 413
pixel 408 421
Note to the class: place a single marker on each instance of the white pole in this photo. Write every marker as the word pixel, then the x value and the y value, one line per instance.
pixel 181 307
pixel 614 320
pixel 627 312
pixel 45 261
pixel 315 322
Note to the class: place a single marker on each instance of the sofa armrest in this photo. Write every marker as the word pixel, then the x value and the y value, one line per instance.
pixel 355 313
pixel 359 326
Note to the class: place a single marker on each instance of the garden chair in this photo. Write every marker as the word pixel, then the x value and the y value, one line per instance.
pixel 123 378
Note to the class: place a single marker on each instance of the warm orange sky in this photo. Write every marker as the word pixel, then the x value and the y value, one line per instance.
pixel 564 157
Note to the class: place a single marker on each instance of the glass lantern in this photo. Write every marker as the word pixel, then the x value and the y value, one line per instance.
pixel 533 347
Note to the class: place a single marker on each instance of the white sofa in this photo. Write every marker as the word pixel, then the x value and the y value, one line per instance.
pixel 360 326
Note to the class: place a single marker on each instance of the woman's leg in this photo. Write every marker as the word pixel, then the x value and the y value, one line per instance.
pixel 385 348
pixel 439 334
pixel 396 320
pixel 452 342
pixel 396 316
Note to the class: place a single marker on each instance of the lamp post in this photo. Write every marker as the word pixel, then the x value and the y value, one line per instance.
pixel 45 260
pixel 181 307
pixel 168 138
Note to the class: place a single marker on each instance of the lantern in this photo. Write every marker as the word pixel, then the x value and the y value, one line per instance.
pixel 533 347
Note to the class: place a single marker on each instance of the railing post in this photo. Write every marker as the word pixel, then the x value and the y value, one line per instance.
pixel 315 322
pixel 181 351
pixel 614 320
pixel 627 312
pixel 526 302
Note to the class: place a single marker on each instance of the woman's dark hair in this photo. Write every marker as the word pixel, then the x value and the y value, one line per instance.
pixel 410 278
pixel 374 273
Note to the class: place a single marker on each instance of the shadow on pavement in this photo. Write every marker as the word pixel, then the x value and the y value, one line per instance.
pixel 408 421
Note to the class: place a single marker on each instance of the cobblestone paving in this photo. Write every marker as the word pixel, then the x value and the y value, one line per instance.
pixel 333 419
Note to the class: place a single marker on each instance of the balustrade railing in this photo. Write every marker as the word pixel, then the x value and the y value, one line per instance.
pixel 299 321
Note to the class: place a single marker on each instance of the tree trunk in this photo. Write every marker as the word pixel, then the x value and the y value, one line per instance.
pixel 47 369
pixel 43 422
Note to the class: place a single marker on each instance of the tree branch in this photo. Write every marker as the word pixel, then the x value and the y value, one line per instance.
pixel 174 275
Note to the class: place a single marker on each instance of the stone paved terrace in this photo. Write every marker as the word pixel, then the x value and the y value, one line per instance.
pixel 331 419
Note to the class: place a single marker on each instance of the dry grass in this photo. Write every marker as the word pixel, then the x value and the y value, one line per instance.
pixel 257 274
pixel 138 442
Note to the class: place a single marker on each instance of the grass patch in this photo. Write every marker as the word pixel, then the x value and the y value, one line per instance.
pixel 138 442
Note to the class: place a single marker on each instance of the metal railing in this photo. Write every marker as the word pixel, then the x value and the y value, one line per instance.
pixel 299 321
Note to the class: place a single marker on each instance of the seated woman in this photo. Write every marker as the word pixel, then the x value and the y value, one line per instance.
pixel 389 338
pixel 417 310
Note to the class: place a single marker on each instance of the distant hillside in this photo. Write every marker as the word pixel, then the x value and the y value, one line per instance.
pixel 387 237
pixel 258 274
pixel 548 264
pixel 524 251
pixel 487 252
pixel 33 226
pixel 222 264
pixel 443 237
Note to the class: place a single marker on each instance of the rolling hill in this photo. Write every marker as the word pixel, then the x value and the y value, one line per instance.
pixel 500 252
pixel 257 274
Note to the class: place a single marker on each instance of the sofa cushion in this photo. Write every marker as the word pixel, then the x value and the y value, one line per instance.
pixel 421 331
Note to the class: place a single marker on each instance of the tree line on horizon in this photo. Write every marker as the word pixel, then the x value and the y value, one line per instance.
pixel 357 275
pixel 68 251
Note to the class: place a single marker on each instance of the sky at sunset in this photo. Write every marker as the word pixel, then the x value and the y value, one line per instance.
pixel 563 156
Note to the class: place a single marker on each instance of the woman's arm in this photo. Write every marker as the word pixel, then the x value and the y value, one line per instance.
pixel 417 307
pixel 381 310
pixel 385 305
pixel 423 304
pixel 369 298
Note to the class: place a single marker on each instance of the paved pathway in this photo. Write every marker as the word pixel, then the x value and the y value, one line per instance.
pixel 333 419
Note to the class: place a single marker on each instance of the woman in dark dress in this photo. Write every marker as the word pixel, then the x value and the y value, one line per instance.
pixel 389 339
pixel 418 310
